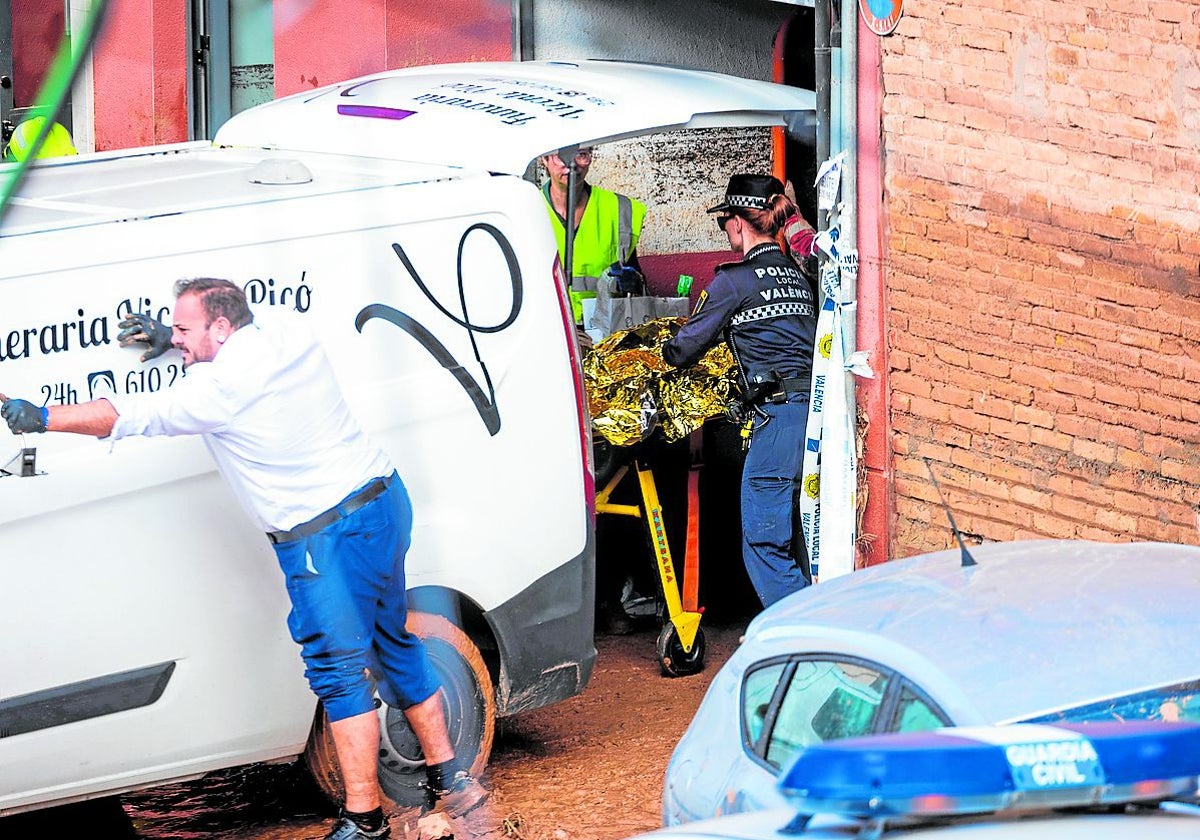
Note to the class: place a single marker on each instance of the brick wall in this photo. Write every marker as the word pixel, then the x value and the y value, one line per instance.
pixel 1042 274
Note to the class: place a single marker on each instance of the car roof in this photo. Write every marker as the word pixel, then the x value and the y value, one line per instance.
pixel 1021 632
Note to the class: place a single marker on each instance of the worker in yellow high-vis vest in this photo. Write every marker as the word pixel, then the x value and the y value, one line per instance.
pixel 607 226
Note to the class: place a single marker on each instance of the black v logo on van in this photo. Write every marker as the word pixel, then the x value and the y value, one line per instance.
pixel 485 404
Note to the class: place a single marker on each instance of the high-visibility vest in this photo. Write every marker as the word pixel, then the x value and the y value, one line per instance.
pixel 608 233
pixel 57 143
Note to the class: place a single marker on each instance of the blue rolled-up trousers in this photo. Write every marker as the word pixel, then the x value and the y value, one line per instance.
pixel 346 584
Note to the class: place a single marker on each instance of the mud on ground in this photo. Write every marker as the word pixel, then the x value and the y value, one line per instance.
pixel 590 768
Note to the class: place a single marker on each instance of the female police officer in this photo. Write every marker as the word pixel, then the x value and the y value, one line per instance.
pixel 764 308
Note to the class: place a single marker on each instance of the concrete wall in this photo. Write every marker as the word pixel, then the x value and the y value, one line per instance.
pixel 1042 282
pixel 729 36
pixel 680 174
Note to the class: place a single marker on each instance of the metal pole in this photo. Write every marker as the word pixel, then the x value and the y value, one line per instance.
pixel 848 237
pixel 822 54
pixel 569 216
pixel 522 30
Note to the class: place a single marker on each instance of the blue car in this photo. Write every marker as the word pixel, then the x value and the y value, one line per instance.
pixel 1090 781
pixel 1044 631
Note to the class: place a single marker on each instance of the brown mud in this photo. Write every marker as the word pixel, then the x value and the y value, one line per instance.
pixel 590 768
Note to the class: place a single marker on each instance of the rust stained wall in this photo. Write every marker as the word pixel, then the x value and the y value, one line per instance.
pixel 1042 278
pixel 140 76
pixel 326 41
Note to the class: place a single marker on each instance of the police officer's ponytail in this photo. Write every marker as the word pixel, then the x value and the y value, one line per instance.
pixel 770 220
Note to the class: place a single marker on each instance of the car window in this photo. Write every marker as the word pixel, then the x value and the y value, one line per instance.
pixel 1178 701
pixel 756 699
pixel 825 700
pixel 914 714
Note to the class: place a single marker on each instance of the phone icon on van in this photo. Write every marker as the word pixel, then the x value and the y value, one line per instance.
pixel 101 383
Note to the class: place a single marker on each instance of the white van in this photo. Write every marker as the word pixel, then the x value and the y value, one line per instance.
pixel 142 618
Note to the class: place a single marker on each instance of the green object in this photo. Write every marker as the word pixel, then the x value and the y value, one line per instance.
pixel 685 285
pixel 63 70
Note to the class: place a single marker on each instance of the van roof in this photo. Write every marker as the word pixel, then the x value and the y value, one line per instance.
pixel 157 181
pixel 500 116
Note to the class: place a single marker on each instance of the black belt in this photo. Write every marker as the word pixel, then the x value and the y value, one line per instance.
pixel 324 520
pixel 796 386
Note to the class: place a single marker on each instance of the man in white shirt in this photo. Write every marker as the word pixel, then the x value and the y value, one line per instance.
pixel 264 398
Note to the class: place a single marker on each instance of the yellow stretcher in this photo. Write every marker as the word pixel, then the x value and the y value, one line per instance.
pixel 681 641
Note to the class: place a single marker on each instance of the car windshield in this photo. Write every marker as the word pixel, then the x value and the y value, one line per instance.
pixel 1179 701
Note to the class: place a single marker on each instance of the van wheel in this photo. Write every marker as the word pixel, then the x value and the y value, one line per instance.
pixel 468 702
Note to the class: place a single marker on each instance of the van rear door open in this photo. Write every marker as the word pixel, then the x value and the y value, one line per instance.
pixel 501 116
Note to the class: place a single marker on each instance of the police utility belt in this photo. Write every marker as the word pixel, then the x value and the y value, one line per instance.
pixel 323 520
pixel 777 392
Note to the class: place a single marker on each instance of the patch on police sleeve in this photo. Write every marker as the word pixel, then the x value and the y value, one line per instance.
pixel 700 301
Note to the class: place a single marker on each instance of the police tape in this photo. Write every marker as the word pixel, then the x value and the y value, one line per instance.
pixel 810 488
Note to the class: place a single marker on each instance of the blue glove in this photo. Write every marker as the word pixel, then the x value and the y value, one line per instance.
pixel 23 416
pixel 137 327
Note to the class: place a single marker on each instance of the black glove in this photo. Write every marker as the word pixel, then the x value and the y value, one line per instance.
pixel 138 327
pixel 23 416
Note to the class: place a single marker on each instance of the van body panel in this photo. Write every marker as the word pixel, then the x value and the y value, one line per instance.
pixel 144 183
pixel 118 556
pixel 499 116
pixel 535 674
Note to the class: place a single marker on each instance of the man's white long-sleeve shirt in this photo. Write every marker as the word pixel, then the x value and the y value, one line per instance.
pixel 273 416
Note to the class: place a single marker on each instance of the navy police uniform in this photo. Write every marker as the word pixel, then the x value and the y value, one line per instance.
pixel 764 308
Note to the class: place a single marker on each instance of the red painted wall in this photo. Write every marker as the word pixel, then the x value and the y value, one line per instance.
pixel 37 29
pixel 140 63
pixel 140 72
pixel 872 394
pixel 327 41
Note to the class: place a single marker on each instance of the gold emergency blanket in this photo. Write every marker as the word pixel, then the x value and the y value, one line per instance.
pixel 631 389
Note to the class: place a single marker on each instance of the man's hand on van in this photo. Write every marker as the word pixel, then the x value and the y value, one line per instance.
pixel 138 327
pixel 23 416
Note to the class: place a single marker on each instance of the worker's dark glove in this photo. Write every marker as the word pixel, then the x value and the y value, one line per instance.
pixel 23 416
pixel 137 327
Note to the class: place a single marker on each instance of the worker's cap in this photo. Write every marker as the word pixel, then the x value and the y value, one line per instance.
pixel 748 192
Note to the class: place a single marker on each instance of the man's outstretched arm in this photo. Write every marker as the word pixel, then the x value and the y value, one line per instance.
pixel 95 418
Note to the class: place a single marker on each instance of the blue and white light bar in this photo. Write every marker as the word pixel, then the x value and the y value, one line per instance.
pixel 965 770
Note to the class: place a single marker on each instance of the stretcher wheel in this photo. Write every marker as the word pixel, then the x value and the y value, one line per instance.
pixel 671 656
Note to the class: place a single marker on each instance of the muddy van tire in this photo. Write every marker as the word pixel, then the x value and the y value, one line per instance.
pixel 469 704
